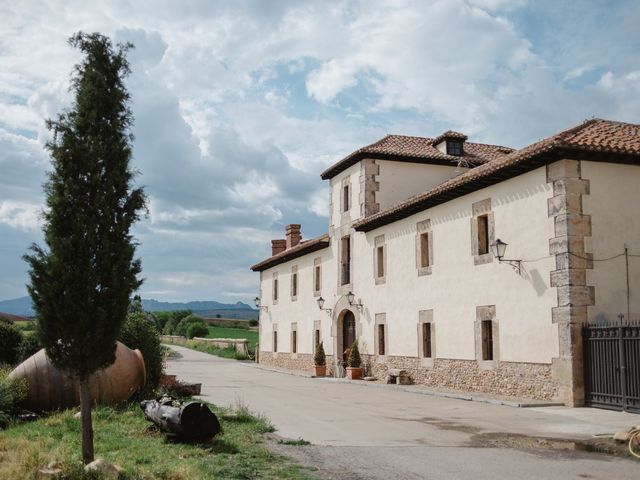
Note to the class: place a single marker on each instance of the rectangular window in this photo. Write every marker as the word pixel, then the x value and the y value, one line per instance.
pixel 345 260
pixel 380 262
pixel 316 279
pixel 275 341
pixel 294 285
pixel 345 198
pixel 424 250
pixel 316 339
pixel 381 340
pixel 275 289
pixel 483 234
pixel 487 340
pixel 294 341
pixel 426 340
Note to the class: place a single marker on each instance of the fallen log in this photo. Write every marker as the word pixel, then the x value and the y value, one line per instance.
pixel 190 421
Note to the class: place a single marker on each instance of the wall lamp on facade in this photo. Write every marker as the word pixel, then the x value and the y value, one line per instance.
pixel 351 298
pixel 321 304
pixel 259 304
pixel 498 248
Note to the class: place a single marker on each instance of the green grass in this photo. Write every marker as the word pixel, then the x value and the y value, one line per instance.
pixel 226 332
pixel 297 442
pixel 124 437
pixel 228 352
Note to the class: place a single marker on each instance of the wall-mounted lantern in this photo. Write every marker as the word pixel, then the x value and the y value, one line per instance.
pixel 259 305
pixel 321 304
pixel 351 298
pixel 498 249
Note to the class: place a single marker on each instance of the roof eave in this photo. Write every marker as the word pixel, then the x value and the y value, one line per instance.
pixel 535 161
pixel 287 256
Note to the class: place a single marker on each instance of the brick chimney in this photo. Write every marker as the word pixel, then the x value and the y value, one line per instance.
pixel 293 235
pixel 278 246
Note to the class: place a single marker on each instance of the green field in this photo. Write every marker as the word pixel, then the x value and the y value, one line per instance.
pixel 224 332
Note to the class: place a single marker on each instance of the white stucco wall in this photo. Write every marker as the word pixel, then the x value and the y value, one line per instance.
pixel 304 311
pixel 399 181
pixel 457 286
pixel 614 206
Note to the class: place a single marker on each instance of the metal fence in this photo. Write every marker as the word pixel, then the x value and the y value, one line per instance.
pixel 612 365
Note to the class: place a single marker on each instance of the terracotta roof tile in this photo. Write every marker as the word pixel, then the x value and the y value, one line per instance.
pixel 302 248
pixel 419 150
pixel 449 134
pixel 594 135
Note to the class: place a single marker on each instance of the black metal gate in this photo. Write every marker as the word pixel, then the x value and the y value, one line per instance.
pixel 612 367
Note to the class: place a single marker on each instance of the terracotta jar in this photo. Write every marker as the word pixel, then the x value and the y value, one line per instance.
pixel 50 389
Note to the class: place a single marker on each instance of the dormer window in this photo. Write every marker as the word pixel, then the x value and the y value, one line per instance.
pixel 454 147
pixel 450 143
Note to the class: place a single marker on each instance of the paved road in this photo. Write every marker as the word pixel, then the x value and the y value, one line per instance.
pixel 368 431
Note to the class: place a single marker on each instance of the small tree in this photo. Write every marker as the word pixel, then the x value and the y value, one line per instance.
pixel 354 356
pixel 81 284
pixel 320 358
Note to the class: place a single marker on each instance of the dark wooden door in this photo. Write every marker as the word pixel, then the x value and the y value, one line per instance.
pixel 348 333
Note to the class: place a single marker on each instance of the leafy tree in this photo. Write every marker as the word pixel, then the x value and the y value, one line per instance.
pixel 139 332
pixel 10 339
pixel 198 329
pixel 181 328
pixel 81 283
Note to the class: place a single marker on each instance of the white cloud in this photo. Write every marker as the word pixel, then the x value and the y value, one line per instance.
pixel 240 105
pixel 20 215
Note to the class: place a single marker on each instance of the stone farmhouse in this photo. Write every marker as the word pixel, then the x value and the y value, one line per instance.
pixel 409 267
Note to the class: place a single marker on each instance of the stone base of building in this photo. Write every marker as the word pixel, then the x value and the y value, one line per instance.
pixel 506 379
pixel 302 362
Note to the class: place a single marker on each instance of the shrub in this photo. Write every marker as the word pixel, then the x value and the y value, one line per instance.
pixel 253 323
pixel 354 356
pixel 29 345
pixel 10 339
pixel 138 332
pixel 197 330
pixel 181 328
pixel 11 394
pixel 320 358
pixel 170 326
pixel 161 319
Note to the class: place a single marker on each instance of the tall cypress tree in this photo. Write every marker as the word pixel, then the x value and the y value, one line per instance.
pixel 81 283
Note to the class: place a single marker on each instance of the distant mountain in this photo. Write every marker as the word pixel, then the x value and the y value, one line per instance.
pixel 156 306
pixel 18 306
pixel 22 306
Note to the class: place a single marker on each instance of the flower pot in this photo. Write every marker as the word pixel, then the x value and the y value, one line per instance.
pixel 320 370
pixel 354 373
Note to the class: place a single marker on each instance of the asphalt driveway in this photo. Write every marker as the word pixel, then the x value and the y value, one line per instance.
pixel 377 431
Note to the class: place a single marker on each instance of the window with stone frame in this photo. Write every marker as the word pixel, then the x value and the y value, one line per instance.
pixel 380 334
pixel 345 194
pixel 379 260
pixel 294 340
pixel 487 340
pixel 424 247
pixel 294 283
pixel 275 288
pixel 345 260
pixel 275 341
pixel 486 337
pixel 482 232
pixel 317 276
pixel 316 339
pixel 426 338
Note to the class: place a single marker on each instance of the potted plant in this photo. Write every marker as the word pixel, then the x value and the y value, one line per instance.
pixel 320 361
pixel 354 369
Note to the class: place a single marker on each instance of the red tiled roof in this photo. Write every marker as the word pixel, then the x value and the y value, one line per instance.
pixel 622 140
pixel 418 150
pixel 449 134
pixel 299 250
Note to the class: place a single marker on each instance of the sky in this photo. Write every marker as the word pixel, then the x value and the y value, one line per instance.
pixel 240 105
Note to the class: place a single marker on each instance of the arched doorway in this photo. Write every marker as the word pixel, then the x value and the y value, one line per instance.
pixel 348 332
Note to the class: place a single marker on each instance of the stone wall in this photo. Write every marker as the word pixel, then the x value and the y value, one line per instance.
pixel 509 379
pixel 288 361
